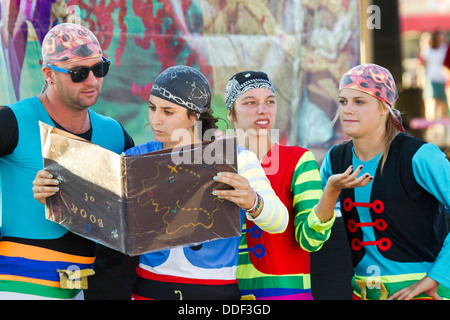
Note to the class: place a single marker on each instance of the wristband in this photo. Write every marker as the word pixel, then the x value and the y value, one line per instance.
pixel 256 206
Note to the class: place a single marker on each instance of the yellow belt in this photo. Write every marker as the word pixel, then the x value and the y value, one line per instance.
pixel 372 284
pixel 74 279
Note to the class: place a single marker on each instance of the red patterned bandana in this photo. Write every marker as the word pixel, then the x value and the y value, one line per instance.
pixel 68 43
pixel 376 81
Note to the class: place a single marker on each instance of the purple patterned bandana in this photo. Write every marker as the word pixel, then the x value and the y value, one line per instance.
pixel 376 81
pixel 68 43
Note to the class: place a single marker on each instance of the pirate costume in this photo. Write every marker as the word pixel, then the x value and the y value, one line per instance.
pixel 38 257
pixel 208 270
pixel 277 266
pixel 396 225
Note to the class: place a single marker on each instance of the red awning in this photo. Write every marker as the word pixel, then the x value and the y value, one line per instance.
pixel 426 22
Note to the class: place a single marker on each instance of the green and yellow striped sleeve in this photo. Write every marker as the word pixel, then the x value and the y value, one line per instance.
pixel 306 188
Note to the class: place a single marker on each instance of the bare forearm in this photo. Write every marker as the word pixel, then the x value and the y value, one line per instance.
pixel 325 207
pixel 335 183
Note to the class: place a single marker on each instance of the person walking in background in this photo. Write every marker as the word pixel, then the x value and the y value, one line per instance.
pixel 433 57
pixel 392 189
pixel 276 266
pixel 36 254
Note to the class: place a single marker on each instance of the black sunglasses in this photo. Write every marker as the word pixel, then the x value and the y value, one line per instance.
pixel 79 74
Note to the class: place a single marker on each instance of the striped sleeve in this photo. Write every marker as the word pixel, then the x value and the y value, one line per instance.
pixel 274 215
pixel 306 188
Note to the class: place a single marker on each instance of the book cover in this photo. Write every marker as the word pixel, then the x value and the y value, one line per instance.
pixel 144 203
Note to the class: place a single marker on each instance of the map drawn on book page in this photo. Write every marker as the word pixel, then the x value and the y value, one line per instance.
pixel 139 204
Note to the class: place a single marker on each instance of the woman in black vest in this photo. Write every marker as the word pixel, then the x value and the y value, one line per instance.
pixel 392 190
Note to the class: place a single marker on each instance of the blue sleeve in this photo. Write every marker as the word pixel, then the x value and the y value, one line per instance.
pixel 144 148
pixel 440 271
pixel 431 170
pixel 325 169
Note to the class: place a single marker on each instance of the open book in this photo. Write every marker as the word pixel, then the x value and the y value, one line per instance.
pixel 144 203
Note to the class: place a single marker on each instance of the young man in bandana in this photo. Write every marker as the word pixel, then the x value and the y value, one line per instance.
pixel 392 190
pixel 33 251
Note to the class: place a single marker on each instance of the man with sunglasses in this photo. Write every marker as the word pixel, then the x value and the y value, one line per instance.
pixel 37 255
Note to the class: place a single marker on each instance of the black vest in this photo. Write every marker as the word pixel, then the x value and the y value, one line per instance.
pixel 411 223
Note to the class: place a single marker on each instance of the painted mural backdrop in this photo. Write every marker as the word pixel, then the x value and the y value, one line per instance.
pixel 304 45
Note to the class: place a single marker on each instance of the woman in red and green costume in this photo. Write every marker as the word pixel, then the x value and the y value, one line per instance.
pixel 276 266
